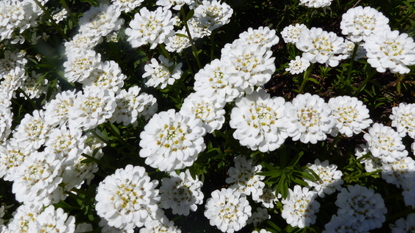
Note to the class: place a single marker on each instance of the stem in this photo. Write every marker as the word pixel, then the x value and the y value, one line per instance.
pixel 305 77
pixel 363 84
pixel 47 13
pixel 164 52
pixel 349 72
pixel 194 49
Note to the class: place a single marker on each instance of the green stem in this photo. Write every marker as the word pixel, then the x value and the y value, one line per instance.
pixel 47 13
pixel 164 52
pixel 305 77
pixel 349 71
pixel 363 84
pixel 194 49
pixel 399 83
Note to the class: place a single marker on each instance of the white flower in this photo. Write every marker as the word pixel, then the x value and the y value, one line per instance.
pixel 384 143
pixel 211 81
pixel 11 81
pixel 178 42
pixel 53 220
pixel 92 108
pixel 65 142
pixel 16 15
pixel 249 65
pixel 107 75
pixel 400 172
pixel 80 64
pixel 81 42
pixel 181 193
pixel 321 46
pixel 309 118
pixel 33 130
pixel 342 224
pixel 403 119
pixel 159 72
pixel 300 207
pixel 126 198
pixel 60 16
pixel 159 223
pixel 298 65
pixel 132 104
pixel 152 27
pixel 172 141
pixel 211 112
pixel 37 178
pixel 6 119
pixel 12 155
pixel 126 5
pixel 390 50
pixel 212 14
pixel 363 205
pixel 244 178
pixel 316 3
pixel 259 121
pixel 264 36
pixel 358 23
pixel 23 216
pixel 291 33
pixel 403 225
pixel 174 4
pixel 228 209
pixel 100 21
pixel 57 109
pixel 351 115
pixel 329 177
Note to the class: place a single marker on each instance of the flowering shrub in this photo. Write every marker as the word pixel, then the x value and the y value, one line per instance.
pixel 207 116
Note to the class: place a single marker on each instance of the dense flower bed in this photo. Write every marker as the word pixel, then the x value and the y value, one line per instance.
pixel 207 116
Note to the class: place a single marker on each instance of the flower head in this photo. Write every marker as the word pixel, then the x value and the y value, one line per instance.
pixel 321 46
pixel 300 207
pixel 309 118
pixel 291 33
pixel 362 206
pixel 358 23
pixel 259 121
pixel 159 73
pixel 152 27
pixel 228 209
pixel 126 198
pixel 181 193
pixel 329 177
pixel 298 65
pixel 249 65
pixel 385 143
pixel 243 177
pixel 351 115
pixel 172 141
pixel 390 50
pixel 403 119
